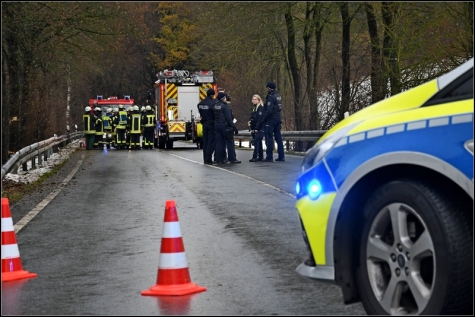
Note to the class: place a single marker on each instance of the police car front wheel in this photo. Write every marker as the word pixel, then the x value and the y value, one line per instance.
pixel 416 252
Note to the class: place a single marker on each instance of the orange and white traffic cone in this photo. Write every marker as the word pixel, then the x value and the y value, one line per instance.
pixel 173 277
pixel 11 262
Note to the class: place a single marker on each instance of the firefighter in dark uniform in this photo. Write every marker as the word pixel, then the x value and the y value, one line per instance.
pixel 224 127
pixel 206 110
pixel 272 118
pixel 121 126
pixel 107 124
pixel 135 123
pixel 115 113
pixel 99 129
pixel 129 116
pixel 89 128
pixel 148 123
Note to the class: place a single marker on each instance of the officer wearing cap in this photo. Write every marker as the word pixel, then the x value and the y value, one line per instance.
pixel 224 127
pixel 206 110
pixel 273 121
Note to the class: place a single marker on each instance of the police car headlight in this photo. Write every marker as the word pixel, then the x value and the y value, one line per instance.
pixel 319 150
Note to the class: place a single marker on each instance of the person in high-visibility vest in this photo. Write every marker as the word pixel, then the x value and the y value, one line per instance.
pixel 127 137
pixel 120 127
pixel 89 128
pixel 99 130
pixel 107 124
pixel 115 113
pixel 148 122
pixel 135 124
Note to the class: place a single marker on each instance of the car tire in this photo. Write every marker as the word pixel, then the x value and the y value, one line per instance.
pixel 424 268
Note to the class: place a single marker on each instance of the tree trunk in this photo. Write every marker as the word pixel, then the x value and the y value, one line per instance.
pixel 294 70
pixel 390 10
pixel 345 58
pixel 377 88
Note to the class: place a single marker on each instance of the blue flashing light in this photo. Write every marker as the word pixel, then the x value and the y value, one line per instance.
pixel 314 189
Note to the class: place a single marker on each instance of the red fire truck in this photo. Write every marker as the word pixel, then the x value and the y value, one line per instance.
pixel 177 94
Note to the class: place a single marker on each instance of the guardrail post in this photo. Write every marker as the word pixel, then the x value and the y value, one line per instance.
pixel 287 145
pixel 25 167
pixel 33 162
pixel 39 159
pixel 14 169
pixel 240 143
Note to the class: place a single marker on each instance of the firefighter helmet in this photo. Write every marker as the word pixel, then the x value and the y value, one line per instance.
pixel 87 108
pixel 121 106
pixel 136 108
pixel 98 109
pixel 142 109
pixel 148 108
pixel 116 109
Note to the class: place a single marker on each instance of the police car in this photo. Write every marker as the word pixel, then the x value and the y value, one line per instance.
pixel 385 200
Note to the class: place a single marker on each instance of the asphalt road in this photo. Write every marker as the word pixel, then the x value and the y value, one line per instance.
pixel 95 246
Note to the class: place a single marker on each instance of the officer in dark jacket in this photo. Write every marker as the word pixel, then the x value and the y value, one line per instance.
pixel 272 118
pixel 206 110
pixel 224 127
pixel 256 126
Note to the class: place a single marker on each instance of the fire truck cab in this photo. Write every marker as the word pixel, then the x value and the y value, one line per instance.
pixel 177 94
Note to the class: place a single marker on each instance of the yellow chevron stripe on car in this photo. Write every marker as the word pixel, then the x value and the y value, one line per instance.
pixel 176 127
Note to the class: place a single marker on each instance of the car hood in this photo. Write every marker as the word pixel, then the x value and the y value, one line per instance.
pixel 404 101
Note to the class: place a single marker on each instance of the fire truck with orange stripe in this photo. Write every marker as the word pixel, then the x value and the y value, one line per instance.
pixel 177 94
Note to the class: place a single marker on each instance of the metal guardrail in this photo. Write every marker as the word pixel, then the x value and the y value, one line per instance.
pixel 287 136
pixel 43 148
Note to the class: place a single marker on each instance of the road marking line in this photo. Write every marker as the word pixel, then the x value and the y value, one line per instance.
pixel 242 175
pixel 20 224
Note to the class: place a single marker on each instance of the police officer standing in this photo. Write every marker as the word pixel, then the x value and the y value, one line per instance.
pixel 206 110
pixel 99 129
pixel 256 127
pixel 89 128
pixel 224 127
pixel 272 117
pixel 148 123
